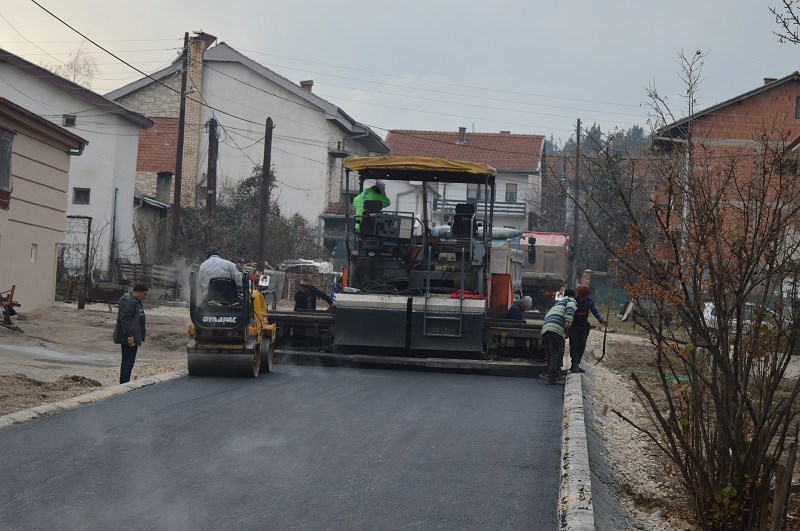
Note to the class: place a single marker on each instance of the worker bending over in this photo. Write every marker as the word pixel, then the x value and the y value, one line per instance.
pixel 518 309
pixel 306 297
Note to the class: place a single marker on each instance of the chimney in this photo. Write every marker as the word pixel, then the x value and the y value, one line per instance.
pixel 198 43
pixel 505 132
pixel 768 80
pixel 164 186
pixel 462 136
pixel 307 84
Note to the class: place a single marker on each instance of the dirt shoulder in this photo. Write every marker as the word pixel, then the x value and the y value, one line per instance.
pixel 647 486
pixel 63 352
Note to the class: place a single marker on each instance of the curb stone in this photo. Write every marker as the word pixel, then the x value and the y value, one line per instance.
pixel 45 410
pixel 575 511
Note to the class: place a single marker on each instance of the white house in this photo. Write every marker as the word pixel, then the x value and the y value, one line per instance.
pixel 516 157
pixel 310 135
pixel 102 180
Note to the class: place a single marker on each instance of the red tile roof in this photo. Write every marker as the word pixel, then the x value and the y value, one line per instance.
pixel 503 151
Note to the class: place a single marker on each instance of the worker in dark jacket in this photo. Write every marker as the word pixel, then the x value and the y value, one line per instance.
pixel 518 309
pixel 130 329
pixel 579 332
pixel 306 297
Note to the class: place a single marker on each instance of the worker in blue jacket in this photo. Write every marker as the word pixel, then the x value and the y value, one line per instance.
pixel 518 309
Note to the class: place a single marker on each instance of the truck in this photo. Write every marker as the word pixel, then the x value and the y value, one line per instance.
pixel 408 293
pixel 547 267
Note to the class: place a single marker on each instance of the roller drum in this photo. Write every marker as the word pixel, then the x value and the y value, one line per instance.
pixel 211 362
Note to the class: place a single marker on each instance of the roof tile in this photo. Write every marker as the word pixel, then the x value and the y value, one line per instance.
pixel 503 151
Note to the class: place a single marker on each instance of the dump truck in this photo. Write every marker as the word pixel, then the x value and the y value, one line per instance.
pixel 547 267
pixel 230 333
pixel 409 293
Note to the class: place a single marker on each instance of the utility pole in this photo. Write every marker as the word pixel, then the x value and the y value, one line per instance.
pixel 263 211
pixel 211 176
pixel 577 194
pixel 176 200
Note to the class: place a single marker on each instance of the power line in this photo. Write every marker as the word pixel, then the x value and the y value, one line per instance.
pixel 133 67
pixel 214 109
pixel 26 39
pixel 105 40
pixel 442 82
pixel 441 92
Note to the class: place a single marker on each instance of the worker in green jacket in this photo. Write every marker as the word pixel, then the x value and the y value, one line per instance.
pixel 375 192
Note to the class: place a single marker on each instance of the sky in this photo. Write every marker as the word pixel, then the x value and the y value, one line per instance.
pixel 525 66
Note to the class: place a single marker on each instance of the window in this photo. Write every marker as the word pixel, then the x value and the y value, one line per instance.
pixel 475 193
pixel 472 193
pixel 34 252
pixel 68 120
pixel 6 139
pixel 797 107
pixel 80 196
pixel 511 193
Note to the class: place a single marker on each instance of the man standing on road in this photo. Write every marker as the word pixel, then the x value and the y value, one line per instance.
pixel 130 329
pixel 216 267
pixel 579 331
pixel 554 333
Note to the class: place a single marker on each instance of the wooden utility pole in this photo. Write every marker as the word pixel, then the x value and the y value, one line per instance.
pixel 263 210
pixel 176 200
pixel 577 195
pixel 211 175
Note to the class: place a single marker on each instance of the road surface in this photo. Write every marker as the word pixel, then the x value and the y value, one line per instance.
pixel 304 447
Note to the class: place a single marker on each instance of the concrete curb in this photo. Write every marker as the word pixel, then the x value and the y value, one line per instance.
pixel 575 509
pixel 45 410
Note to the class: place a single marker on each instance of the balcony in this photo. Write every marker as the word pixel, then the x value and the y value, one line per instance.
pixel 448 206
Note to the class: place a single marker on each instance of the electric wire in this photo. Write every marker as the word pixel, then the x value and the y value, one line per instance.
pixel 214 109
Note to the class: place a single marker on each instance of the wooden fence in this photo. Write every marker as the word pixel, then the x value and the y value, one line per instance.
pixel 153 276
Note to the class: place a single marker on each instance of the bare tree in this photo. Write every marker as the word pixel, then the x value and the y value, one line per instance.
pixel 80 67
pixel 710 226
pixel 789 21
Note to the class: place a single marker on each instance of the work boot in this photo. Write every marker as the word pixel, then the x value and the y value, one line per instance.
pixel 555 379
pixel 576 368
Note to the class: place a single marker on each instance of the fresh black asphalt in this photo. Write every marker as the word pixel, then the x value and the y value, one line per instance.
pixel 303 447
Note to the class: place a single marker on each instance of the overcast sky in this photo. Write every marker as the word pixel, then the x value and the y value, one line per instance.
pixel 527 66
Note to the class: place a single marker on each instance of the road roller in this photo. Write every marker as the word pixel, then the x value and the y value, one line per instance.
pixel 229 332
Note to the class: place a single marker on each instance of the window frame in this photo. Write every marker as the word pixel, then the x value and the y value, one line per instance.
pixel 75 192
pixel 6 157
pixel 509 197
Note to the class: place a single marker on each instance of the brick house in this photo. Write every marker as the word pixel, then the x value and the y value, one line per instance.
pixel 310 137
pixel 516 157
pixel 729 141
